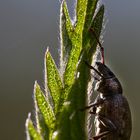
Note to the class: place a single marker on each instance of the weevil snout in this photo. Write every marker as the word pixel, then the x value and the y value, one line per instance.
pixel 104 70
pixel 108 82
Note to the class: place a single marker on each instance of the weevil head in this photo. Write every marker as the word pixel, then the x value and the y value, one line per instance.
pixel 108 82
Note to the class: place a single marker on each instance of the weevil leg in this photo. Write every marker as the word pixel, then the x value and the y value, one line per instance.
pixel 101 135
pixel 108 124
pixel 93 105
pixel 98 101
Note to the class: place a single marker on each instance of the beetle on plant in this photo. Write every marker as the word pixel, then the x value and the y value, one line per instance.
pixel 111 108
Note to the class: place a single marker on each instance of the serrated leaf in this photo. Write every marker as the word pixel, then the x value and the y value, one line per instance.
pixel 76 41
pixel 58 113
pixel 81 12
pixel 96 26
pixel 70 71
pixel 41 126
pixel 54 82
pixel 31 132
pixel 98 21
pixel 44 106
pixel 65 29
pixel 91 6
pixel 72 45
pixel 66 14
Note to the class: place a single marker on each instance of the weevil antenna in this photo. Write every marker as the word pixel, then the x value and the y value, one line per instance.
pixel 102 49
pixel 94 69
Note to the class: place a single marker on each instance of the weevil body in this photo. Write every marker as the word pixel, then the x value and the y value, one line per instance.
pixel 111 109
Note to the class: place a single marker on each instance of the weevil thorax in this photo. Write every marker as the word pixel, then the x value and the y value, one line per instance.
pixel 108 84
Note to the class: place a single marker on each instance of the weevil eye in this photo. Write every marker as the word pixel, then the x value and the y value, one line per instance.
pixel 110 74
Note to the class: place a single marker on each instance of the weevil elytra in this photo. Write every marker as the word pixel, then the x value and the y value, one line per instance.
pixel 111 108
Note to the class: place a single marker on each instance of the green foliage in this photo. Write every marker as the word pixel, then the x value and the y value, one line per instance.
pixel 57 111
pixel 32 132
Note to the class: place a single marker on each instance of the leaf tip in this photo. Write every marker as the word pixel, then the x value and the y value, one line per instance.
pixel 27 125
pixel 47 50
pixel 36 86
pixel 47 54
pixel 27 120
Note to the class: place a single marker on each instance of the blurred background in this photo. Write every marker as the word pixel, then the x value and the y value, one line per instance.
pixel 28 27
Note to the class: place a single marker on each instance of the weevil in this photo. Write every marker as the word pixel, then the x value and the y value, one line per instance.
pixel 111 108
